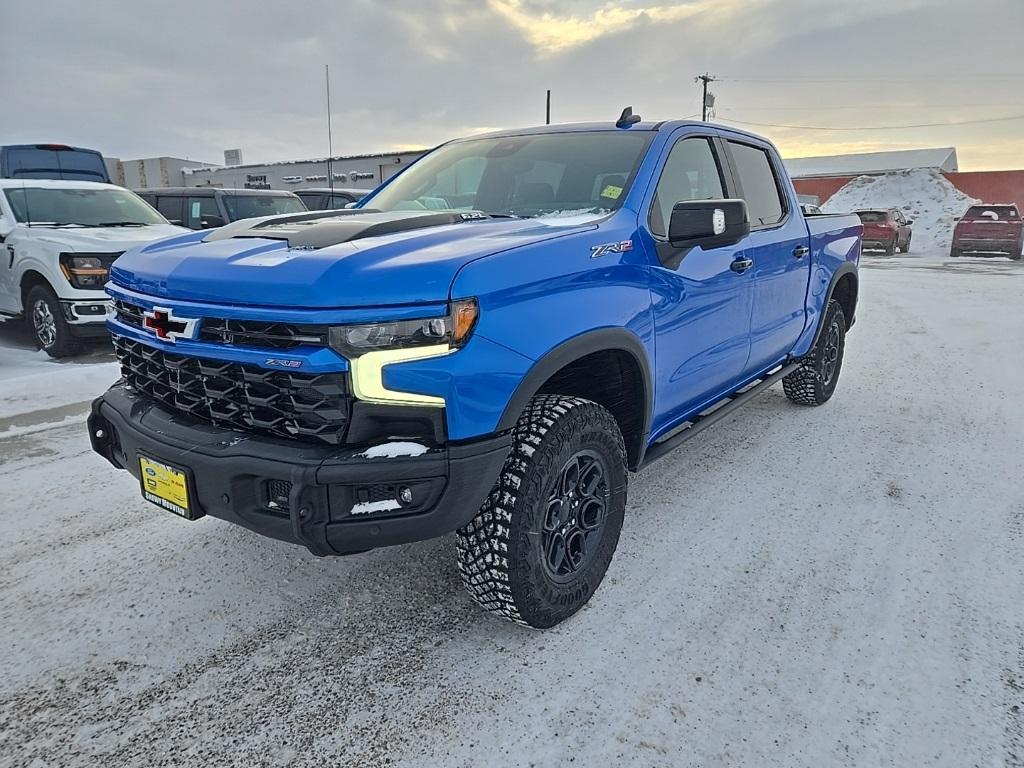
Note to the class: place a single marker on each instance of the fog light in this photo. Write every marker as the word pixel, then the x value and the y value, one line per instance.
pixel 405 495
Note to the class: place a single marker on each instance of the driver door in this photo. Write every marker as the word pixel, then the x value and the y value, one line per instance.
pixel 701 299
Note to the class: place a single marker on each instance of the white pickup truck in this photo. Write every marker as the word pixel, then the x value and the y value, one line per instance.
pixel 57 242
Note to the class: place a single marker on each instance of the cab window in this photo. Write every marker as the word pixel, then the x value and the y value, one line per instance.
pixel 691 173
pixel 757 179
pixel 202 213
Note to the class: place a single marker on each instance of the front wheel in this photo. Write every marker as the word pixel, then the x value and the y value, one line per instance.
pixel 542 541
pixel 814 382
pixel 46 321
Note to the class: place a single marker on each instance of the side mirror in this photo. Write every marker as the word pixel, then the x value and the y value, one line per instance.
pixel 708 223
pixel 212 222
pixel 909 222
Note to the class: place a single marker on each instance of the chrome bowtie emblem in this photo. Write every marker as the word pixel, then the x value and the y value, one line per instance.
pixel 166 326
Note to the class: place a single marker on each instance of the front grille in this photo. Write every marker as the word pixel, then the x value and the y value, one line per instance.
pixel 294 405
pixel 129 314
pixel 255 333
pixel 240 333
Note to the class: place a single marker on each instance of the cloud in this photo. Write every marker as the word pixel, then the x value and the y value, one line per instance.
pixel 552 32
pixel 190 78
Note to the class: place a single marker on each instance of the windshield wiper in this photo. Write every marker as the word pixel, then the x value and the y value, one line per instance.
pixel 119 224
pixel 54 224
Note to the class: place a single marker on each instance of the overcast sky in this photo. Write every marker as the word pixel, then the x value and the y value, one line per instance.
pixel 190 78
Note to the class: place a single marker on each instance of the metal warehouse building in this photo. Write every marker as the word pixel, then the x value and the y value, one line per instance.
pixel 352 171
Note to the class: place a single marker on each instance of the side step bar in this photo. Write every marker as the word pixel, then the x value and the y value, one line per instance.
pixel 722 409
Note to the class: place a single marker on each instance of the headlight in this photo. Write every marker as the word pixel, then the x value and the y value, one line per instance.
pixel 452 330
pixel 83 271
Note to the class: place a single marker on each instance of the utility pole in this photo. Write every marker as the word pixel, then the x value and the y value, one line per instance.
pixel 704 80
pixel 330 140
pixel 547 113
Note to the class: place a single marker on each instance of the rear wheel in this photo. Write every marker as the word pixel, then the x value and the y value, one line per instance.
pixel 814 382
pixel 46 321
pixel 890 249
pixel 543 539
pixel 906 248
pixel 955 253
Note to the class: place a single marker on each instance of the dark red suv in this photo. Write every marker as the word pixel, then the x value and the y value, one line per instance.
pixel 887 230
pixel 989 230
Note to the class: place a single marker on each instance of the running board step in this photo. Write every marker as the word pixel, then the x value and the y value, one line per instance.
pixel 722 408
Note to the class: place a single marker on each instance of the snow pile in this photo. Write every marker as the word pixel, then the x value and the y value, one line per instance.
pixel 923 194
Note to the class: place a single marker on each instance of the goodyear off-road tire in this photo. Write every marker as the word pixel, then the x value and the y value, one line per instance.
pixel 814 382
pixel 542 541
pixel 46 322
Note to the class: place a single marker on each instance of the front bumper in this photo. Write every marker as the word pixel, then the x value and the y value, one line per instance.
pixel 331 499
pixel 87 317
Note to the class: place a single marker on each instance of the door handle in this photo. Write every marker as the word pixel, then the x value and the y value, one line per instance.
pixel 800 251
pixel 741 265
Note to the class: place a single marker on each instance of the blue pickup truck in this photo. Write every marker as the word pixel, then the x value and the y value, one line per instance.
pixel 486 345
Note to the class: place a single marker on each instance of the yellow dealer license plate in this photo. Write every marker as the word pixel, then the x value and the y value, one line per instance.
pixel 166 486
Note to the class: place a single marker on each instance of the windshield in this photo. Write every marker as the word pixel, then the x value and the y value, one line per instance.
pixel 250 206
pixel 552 174
pixel 104 207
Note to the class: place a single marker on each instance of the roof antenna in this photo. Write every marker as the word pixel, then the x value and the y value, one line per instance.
pixel 627 118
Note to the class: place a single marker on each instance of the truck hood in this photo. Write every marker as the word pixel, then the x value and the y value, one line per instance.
pixel 99 239
pixel 353 258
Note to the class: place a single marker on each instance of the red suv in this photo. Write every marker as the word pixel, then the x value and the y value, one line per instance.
pixel 989 230
pixel 887 231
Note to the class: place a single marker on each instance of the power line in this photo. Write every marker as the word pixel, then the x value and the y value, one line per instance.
pixel 939 79
pixel 859 107
pixel 1005 119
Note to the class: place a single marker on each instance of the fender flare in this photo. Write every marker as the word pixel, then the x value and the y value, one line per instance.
pixel 846 268
pixel 599 340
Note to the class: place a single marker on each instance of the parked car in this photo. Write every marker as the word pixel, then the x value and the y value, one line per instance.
pixel 886 230
pixel 52 161
pixel 355 379
pixel 210 207
pixel 989 230
pixel 326 199
pixel 59 239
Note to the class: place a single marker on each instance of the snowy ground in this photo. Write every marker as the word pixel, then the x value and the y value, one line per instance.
pixel 36 390
pixel 798 587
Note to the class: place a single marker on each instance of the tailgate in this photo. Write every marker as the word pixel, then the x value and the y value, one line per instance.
pixel 987 229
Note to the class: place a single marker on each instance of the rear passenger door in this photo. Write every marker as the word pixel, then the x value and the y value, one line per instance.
pixel 778 244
